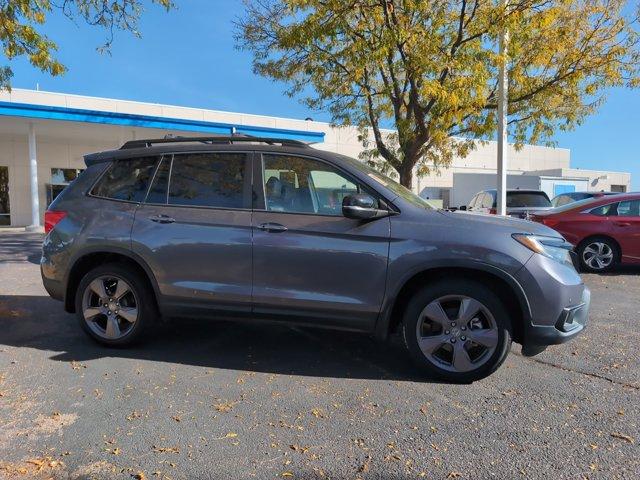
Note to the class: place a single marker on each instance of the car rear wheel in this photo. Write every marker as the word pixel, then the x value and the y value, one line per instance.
pixel 457 330
pixel 598 254
pixel 114 304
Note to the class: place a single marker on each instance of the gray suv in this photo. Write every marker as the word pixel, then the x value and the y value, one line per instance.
pixel 273 230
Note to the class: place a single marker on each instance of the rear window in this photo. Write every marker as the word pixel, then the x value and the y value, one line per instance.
pixel 126 180
pixel 527 199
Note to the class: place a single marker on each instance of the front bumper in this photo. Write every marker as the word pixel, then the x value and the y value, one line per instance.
pixel 571 322
pixel 559 303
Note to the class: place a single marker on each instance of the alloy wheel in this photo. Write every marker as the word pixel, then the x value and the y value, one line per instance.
pixel 110 307
pixel 457 333
pixel 597 255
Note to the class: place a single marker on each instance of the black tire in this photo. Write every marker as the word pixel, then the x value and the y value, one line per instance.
pixel 143 296
pixel 610 244
pixel 466 288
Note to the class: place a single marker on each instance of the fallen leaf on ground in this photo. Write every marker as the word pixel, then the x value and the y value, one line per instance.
pixel 298 448
pixel 223 407
pixel 77 365
pixel 624 437
pixel 133 415
pixel 166 449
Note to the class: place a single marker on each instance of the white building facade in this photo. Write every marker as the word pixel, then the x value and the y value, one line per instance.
pixel 43 137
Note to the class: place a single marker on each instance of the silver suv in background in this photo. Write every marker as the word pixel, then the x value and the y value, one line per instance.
pixel 520 203
pixel 275 231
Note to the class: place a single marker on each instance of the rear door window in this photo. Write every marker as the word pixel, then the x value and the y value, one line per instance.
pixel 126 180
pixel 209 180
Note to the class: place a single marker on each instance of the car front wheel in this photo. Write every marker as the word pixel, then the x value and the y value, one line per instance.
pixel 457 330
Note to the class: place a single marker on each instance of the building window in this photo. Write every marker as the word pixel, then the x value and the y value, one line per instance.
pixel 5 218
pixel 619 188
pixel 60 178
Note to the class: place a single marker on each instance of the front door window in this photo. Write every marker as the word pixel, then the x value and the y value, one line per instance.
pixel 303 185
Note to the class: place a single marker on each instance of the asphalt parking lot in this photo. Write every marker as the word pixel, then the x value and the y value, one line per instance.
pixel 220 400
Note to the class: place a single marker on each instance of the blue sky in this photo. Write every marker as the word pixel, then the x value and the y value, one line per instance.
pixel 187 57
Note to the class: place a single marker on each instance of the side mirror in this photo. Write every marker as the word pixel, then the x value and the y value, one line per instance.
pixel 361 206
pixel 463 208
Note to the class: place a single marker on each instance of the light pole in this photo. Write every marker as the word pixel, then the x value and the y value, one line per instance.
pixel 503 140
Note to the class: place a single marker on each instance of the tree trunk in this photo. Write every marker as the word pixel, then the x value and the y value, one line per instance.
pixel 406 175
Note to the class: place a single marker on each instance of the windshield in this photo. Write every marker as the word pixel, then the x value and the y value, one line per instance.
pixel 527 199
pixel 578 204
pixel 389 183
pixel 568 198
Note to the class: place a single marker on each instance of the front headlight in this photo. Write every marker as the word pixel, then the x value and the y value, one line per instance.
pixel 553 247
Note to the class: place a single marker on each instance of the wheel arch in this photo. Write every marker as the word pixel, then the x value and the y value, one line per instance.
pixel 505 286
pixel 90 259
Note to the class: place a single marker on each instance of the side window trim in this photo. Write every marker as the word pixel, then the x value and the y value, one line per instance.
pixel 258 194
pixel 169 175
pixel 163 158
pixel 261 194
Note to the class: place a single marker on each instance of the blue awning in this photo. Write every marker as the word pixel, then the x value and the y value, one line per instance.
pixel 45 112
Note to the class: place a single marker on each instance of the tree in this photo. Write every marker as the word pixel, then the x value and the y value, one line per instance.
pixel 21 20
pixel 428 68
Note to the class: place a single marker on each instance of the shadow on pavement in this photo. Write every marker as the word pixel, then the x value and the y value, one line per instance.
pixel 20 247
pixel 622 270
pixel 39 322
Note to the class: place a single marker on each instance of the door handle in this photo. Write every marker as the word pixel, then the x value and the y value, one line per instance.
pixel 622 224
pixel 272 227
pixel 162 219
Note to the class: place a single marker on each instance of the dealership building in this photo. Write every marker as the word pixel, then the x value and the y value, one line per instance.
pixel 43 137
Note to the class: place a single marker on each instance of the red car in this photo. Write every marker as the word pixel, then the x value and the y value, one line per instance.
pixel 605 230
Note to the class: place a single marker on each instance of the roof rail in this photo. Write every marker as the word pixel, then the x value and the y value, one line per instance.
pixel 219 139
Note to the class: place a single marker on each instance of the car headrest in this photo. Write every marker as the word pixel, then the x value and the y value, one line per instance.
pixel 273 188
